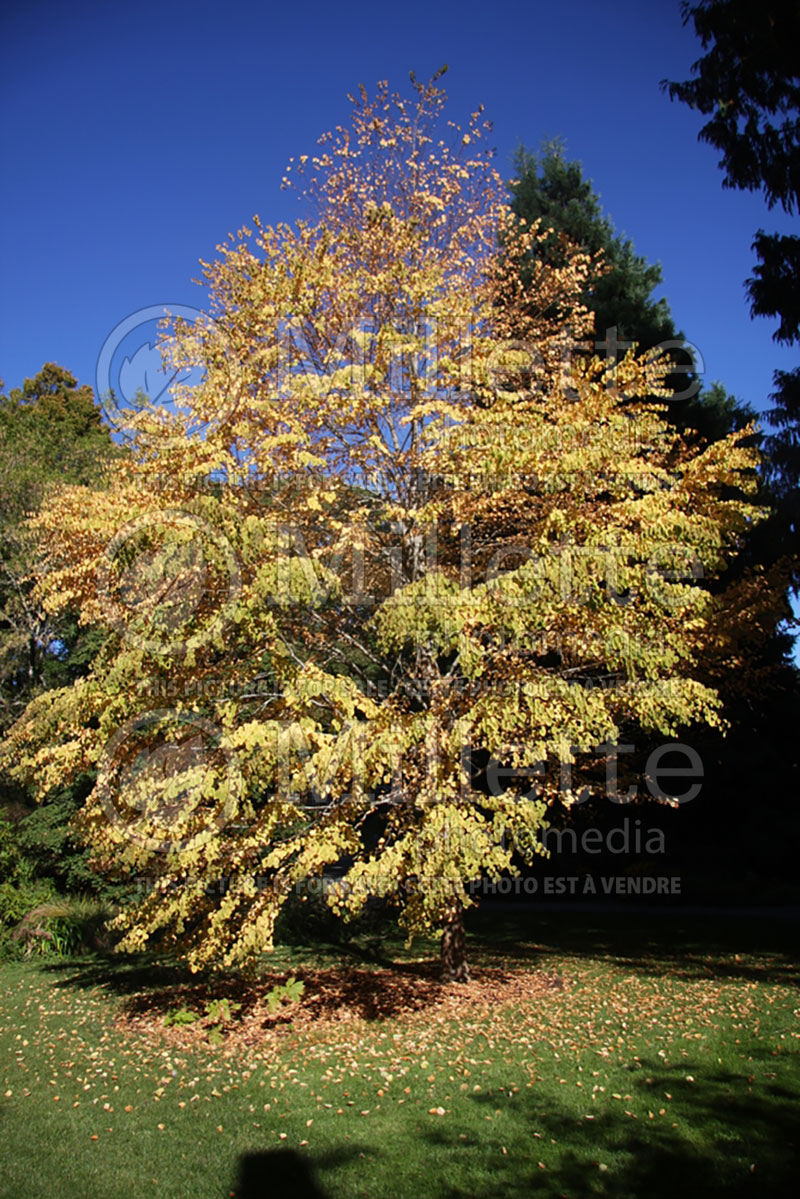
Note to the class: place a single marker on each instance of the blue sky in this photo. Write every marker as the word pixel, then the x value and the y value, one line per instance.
pixel 135 137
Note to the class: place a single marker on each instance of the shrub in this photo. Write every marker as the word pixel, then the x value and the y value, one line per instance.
pixel 64 926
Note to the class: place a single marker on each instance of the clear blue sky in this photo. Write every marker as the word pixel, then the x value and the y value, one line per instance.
pixel 135 137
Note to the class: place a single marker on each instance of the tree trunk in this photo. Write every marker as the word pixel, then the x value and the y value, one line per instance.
pixel 454 947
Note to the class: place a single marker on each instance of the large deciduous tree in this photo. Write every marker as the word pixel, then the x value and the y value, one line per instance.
pixel 413 533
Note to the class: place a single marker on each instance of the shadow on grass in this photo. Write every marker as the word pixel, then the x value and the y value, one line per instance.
pixel 756 949
pixel 276 1172
pixel 284 1172
pixel 151 991
pixel 734 1138
pixel 134 974
pixel 500 942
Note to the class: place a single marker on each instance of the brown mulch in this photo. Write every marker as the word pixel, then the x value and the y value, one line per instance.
pixel 332 996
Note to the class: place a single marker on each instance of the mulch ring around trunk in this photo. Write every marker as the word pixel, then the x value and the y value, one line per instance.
pixel 331 996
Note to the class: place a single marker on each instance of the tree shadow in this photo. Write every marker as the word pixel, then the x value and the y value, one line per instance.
pixel 735 1137
pixel 755 949
pixel 121 974
pixel 510 952
pixel 150 992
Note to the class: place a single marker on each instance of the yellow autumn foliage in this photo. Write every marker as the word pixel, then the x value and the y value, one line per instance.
pixel 398 525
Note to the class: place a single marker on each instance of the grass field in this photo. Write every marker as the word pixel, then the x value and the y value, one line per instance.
pixel 595 1055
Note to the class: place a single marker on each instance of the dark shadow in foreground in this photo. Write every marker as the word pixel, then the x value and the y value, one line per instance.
pixel 276 1172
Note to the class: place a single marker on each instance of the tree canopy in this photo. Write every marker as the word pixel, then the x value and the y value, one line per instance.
pixel 416 533
pixel 748 84
pixel 50 434
pixel 552 189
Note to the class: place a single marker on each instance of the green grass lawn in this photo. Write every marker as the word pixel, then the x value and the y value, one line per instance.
pixel 597 1055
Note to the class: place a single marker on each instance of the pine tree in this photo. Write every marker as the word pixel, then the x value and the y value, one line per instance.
pixel 552 189
pixel 748 84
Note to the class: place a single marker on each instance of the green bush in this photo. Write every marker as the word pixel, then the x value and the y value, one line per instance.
pixel 19 898
pixel 65 926
pixel 20 892
pixel 46 838
pixel 34 917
